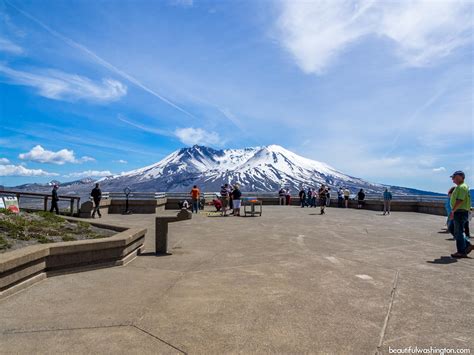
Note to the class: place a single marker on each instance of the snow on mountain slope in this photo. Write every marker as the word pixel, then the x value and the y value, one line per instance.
pixel 255 169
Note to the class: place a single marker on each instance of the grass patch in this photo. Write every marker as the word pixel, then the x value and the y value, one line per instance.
pixel 4 245
pixel 17 230
pixel 50 217
pixel 68 238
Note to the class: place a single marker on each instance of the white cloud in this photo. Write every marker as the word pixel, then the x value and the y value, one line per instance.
pixel 89 173
pixel 317 32
pixel 121 161
pixel 4 161
pixel 192 136
pixel 10 47
pixel 20 170
pixel 437 170
pixel 40 155
pixel 102 61
pixel 58 85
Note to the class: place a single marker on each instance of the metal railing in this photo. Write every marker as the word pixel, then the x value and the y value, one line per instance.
pixel 21 196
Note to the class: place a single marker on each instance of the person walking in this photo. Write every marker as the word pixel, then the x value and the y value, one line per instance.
pixel 302 196
pixel 195 194
pixel 387 201
pixel 282 196
pixel 347 194
pixel 460 207
pixel 340 197
pixel 322 198
pixel 96 195
pixel 236 198
pixel 54 199
pixel 224 198
pixel 360 198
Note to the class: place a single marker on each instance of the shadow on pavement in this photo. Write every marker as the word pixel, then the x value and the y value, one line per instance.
pixel 444 260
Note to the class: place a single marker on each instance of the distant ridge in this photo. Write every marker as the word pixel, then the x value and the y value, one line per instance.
pixel 265 169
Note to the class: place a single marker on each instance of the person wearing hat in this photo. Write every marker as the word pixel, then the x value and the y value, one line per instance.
pixel 460 207
pixel 54 199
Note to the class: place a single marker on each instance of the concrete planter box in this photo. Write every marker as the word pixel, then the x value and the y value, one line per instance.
pixel 20 268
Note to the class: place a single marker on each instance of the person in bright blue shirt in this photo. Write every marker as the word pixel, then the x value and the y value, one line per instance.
pixel 447 206
pixel 387 200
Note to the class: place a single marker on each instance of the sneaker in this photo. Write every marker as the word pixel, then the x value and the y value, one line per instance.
pixel 469 249
pixel 458 255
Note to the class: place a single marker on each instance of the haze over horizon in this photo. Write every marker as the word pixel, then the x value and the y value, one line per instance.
pixel 379 90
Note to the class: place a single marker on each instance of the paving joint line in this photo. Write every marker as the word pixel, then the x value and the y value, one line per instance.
pixel 16 331
pixel 158 338
pixel 389 310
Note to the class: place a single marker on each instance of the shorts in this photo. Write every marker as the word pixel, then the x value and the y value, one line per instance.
pixel 236 204
pixel 224 201
pixel 346 198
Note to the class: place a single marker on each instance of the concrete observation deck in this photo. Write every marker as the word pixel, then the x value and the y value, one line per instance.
pixel 291 281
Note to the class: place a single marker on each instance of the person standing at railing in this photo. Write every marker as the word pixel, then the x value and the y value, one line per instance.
pixel 224 198
pixel 360 198
pixel 236 196
pixel 54 199
pixel 302 196
pixel 340 197
pixel 387 201
pixel 195 193
pixel 282 196
pixel 460 207
pixel 96 195
pixel 347 194
pixel 322 192
pixel 288 197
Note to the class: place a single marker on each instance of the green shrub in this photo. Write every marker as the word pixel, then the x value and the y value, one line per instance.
pixel 6 211
pixel 50 217
pixel 68 238
pixel 44 240
pixel 4 243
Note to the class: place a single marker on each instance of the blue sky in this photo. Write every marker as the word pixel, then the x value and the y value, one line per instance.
pixel 379 90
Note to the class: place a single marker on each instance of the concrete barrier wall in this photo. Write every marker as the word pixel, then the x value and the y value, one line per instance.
pixel 22 267
pixel 436 208
pixel 136 206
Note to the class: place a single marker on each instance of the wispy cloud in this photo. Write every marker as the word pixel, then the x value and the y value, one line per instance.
pixel 89 173
pixel 317 32
pixel 144 128
pixel 58 85
pixel 40 155
pixel 191 136
pixel 9 47
pixel 4 161
pixel 440 169
pixel 121 161
pixel 20 170
pixel 100 60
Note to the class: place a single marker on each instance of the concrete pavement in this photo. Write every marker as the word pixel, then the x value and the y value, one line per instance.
pixel 291 281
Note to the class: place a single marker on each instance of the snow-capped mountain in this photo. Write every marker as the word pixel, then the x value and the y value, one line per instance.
pixel 255 169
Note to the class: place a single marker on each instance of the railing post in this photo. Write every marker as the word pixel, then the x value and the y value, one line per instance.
pixel 45 203
pixel 71 204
